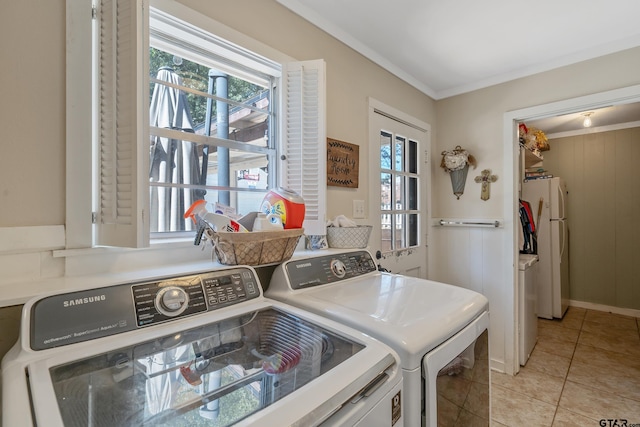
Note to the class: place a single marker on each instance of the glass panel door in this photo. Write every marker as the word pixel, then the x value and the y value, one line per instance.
pixel 400 201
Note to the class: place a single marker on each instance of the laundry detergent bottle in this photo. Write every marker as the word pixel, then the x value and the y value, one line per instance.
pixel 217 222
pixel 285 203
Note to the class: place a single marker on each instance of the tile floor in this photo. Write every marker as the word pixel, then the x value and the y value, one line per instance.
pixel 584 368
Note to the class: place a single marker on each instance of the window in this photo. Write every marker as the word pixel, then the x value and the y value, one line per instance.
pixel 399 192
pixel 212 124
pixel 180 115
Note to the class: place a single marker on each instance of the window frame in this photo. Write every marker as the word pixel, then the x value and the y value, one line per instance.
pixel 183 39
pixel 80 121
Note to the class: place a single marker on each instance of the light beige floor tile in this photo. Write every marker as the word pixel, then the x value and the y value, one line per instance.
pixel 610 331
pixel 548 363
pixel 573 318
pixel 555 345
pixel 576 311
pixel 566 418
pixel 554 329
pixel 625 385
pixel 515 409
pixel 597 404
pixel 607 358
pixel 612 320
pixel 532 383
pixel 628 346
pixel 591 358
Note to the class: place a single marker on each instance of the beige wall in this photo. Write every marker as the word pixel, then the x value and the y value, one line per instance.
pixel 601 172
pixel 32 119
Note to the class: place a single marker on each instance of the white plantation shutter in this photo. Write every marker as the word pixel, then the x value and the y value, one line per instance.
pixel 123 123
pixel 303 167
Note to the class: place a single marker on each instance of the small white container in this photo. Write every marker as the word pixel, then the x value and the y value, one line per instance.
pixel 264 222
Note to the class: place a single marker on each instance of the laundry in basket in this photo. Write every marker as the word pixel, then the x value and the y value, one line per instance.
pixel 344 233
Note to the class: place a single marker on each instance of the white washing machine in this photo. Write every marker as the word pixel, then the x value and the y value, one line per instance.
pixel 204 349
pixel 527 305
pixel 440 331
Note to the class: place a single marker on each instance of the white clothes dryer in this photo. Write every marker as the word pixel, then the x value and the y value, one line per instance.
pixel 203 349
pixel 440 331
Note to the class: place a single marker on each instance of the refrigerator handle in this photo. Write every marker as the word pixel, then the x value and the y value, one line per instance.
pixel 561 214
pixel 563 236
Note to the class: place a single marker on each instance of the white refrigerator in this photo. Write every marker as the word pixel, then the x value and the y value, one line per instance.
pixel 552 242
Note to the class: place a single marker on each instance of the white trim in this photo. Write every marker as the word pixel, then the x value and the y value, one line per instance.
pixel 632 312
pixel 395 114
pixel 341 35
pixel 205 47
pixel 565 60
pixel 497 365
pixel 511 191
pixel 206 23
pixel 599 129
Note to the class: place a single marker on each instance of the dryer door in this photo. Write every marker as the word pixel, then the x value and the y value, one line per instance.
pixel 457 378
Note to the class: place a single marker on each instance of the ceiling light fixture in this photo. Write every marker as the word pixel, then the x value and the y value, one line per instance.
pixel 587 119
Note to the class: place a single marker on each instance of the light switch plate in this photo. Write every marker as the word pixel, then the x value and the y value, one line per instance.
pixel 358 209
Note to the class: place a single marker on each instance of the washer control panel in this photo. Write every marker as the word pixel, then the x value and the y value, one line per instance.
pixel 182 296
pixel 79 316
pixel 326 269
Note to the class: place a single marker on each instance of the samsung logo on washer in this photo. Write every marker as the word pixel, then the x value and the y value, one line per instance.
pixel 306 264
pixel 85 300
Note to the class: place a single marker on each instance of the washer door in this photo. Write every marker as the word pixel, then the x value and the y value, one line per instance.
pixel 457 378
pixel 228 371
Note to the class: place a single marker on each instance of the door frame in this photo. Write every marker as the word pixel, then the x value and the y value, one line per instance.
pixel 378 107
pixel 512 185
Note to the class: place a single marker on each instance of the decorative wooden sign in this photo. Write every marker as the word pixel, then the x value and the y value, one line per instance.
pixel 343 161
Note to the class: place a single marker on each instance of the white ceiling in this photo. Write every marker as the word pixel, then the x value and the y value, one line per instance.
pixel 445 48
pixel 606 117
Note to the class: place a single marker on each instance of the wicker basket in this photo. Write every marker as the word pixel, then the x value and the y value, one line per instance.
pixel 348 237
pixel 256 247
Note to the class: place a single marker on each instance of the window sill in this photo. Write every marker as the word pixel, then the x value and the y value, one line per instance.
pixel 21 292
pixel 34 262
pixel 158 244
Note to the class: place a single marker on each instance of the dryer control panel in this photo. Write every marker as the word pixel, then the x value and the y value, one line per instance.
pixel 306 273
pixel 85 315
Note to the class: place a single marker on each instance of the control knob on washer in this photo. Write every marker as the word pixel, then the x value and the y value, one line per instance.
pixel 338 268
pixel 172 301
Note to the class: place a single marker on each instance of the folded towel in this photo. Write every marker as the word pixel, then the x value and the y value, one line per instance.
pixel 341 221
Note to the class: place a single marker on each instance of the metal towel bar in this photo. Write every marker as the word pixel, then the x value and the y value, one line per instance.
pixel 463 223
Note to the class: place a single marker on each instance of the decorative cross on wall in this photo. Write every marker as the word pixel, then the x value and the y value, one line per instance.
pixel 486 179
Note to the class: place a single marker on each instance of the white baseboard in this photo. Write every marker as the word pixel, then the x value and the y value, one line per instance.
pixel 497 365
pixel 601 307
